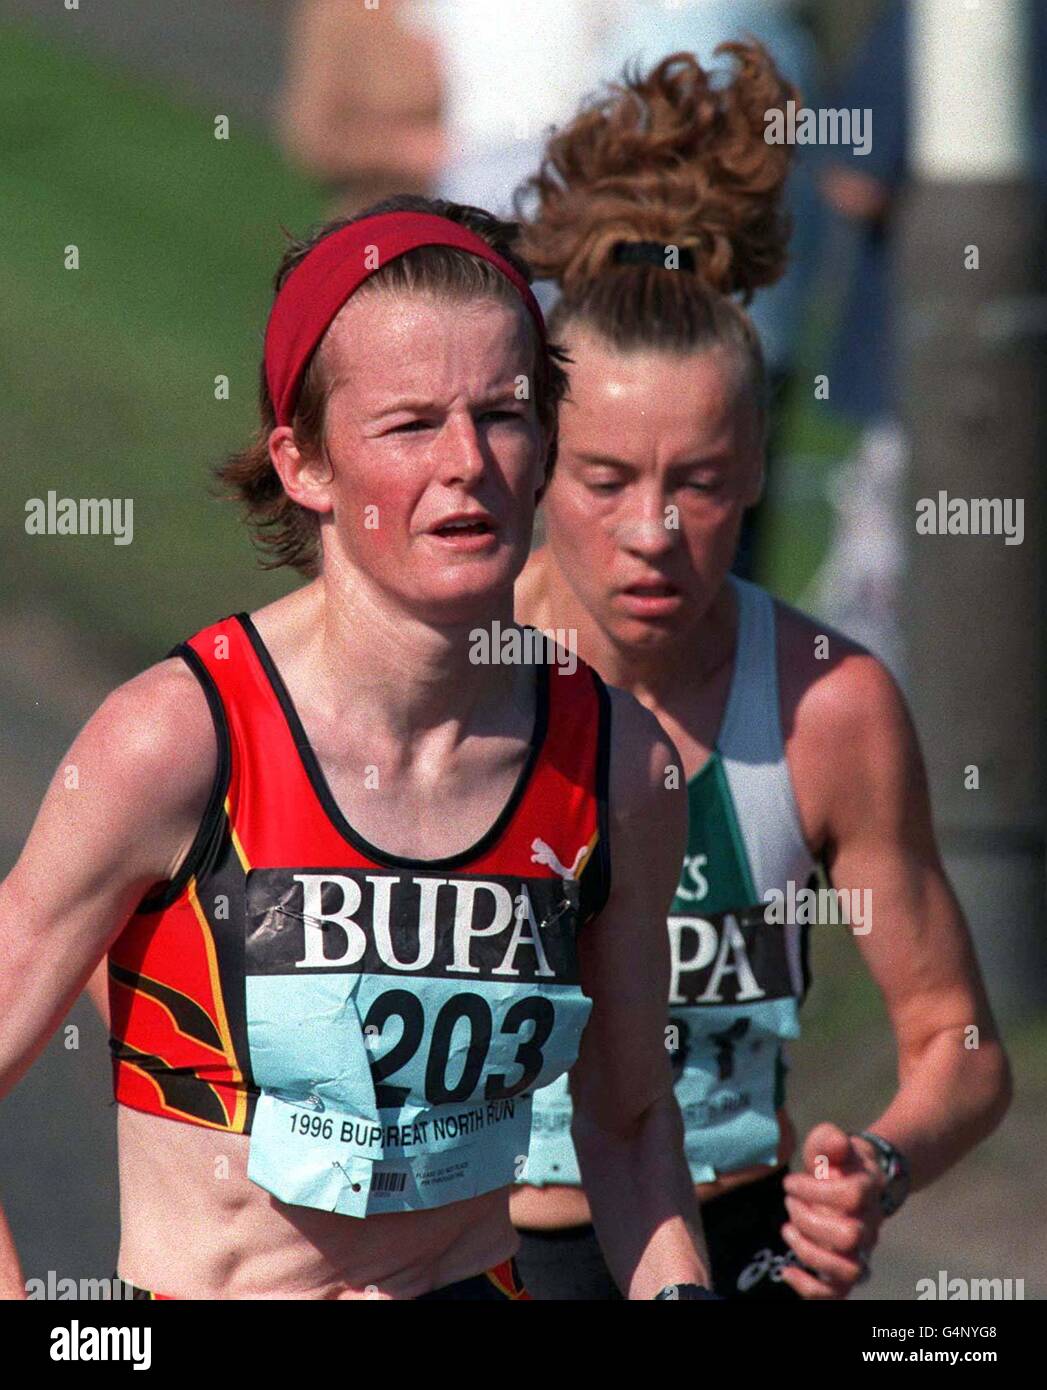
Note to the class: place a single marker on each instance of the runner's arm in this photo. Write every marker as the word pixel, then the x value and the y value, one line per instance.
pixel 953 1083
pixel 953 1077
pixel 119 816
pixel 627 1128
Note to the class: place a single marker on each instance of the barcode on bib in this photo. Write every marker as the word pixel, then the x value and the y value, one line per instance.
pixel 388 1182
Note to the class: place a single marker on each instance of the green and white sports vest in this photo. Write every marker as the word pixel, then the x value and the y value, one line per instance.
pixel 737 980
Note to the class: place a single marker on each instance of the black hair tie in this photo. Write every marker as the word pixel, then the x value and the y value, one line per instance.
pixel 649 253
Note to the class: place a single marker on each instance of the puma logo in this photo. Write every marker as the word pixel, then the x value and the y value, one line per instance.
pixel 541 853
pixel 311 1102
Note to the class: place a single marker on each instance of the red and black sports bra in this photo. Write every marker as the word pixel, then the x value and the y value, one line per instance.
pixel 280 899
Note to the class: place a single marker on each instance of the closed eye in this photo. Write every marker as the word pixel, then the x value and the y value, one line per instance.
pixel 411 427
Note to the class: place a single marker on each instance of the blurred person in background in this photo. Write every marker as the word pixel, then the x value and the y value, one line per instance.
pixel 509 73
pixel 360 109
pixel 779 311
pixel 859 585
pixel 449 97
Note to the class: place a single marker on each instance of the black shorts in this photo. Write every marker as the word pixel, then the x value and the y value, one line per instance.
pixel 742 1229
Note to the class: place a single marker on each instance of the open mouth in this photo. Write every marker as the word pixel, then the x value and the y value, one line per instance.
pixel 660 589
pixel 651 599
pixel 464 528
pixel 467 526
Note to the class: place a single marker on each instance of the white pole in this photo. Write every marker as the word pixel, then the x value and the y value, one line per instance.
pixel 969 86
pixel 974 396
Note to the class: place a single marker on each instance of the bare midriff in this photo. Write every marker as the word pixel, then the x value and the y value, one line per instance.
pixel 193 1225
pixel 553 1208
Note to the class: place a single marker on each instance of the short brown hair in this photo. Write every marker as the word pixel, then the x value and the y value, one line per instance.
pixel 287 533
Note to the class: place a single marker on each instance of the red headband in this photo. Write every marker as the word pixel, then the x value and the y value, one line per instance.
pixel 325 278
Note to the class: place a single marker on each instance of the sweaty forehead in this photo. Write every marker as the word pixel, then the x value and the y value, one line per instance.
pixel 630 399
pixel 384 341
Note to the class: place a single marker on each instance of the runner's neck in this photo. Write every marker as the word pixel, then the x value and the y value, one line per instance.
pixel 394 673
pixel 656 678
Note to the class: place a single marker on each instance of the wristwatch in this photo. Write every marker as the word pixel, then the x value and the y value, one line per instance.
pixel 688 1291
pixel 895 1168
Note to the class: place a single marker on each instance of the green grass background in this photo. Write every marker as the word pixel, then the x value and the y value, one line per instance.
pixel 107 377
pixel 107 374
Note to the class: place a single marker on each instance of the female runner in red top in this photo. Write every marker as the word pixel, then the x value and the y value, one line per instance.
pixel 349 859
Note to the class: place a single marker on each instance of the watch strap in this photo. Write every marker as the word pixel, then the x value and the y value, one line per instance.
pixel 686 1291
pixel 895 1168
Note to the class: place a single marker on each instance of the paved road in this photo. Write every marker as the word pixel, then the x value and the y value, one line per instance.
pixel 57 1129
pixel 984 1219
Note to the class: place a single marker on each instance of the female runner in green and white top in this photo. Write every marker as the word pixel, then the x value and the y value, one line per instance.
pixel 656 205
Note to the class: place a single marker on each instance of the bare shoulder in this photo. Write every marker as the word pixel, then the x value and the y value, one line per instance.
pixel 144 768
pixel 158 723
pixel 832 688
pixel 125 803
pixel 852 749
pixel 646 770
